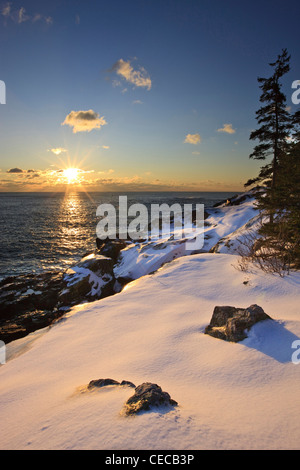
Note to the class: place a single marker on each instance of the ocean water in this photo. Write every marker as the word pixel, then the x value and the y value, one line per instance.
pixel 50 231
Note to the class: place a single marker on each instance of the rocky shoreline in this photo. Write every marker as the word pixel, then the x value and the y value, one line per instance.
pixel 33 301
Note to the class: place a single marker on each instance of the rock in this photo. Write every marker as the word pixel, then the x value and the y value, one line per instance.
pixel 29 293
pixel 32 301
pixel 98 264
pixel 26 323
pixel 90 279
pixel 146 396
pixel 27 303
pixel 104 382
pixel 76 291
pixel 240 198
pixel 231 323
pixel 233 201
pixel 110 248
pixel 10 331
pixel 127 383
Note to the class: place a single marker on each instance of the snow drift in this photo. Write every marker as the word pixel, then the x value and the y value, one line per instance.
pixel 230 395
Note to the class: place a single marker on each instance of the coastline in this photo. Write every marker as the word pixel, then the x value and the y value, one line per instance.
pixel 153 330
pixel 36 300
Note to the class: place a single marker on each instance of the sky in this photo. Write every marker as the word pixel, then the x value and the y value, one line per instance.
pixel 137 95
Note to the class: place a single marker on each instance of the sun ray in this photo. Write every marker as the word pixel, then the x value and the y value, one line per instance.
pixel 71 175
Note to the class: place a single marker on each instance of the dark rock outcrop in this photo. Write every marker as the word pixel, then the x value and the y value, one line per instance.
pixel 231 323
pixel 110 248
pixel 98 383
pixel 33 301
pixel 91 279
pixel 27 303
pixel 146 396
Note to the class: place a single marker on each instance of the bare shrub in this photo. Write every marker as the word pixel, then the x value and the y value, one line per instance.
pixel 270 254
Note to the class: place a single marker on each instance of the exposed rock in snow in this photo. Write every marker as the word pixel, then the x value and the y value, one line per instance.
pixel 98 383
pixel 110 248
pixel 146 396
pixel 231 323
pixel 87 280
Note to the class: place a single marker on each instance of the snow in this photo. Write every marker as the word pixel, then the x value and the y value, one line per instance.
pixel 231 395
pixel 143 258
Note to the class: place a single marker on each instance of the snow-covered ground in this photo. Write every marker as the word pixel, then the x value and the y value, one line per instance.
pixel 144 258
pixel 231 395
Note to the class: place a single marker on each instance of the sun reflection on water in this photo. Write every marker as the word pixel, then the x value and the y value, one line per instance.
pixel 73 221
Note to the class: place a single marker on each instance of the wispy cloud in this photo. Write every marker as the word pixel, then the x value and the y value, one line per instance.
pixel 192 139
pixel 20 15
pixel 84 121
pixel 106 172
pixel 6 10
pixel 227 128
pixel 138 77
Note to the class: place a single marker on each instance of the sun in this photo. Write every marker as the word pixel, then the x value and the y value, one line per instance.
pixel 71 175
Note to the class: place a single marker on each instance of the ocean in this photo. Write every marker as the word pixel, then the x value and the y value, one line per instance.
pixel 50 231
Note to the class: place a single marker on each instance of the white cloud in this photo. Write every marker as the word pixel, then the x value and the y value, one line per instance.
pixel 139 78
pixel 106 147
pixel 227 128
pixel 58 150
pixel 192 139
pixel 84 121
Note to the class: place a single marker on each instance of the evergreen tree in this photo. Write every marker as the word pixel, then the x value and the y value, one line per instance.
pixel 279 138
pixel 275 123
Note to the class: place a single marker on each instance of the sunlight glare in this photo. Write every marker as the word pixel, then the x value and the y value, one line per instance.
pixel 71 174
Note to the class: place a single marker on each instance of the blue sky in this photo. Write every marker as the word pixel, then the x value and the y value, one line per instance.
pixel 142 76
